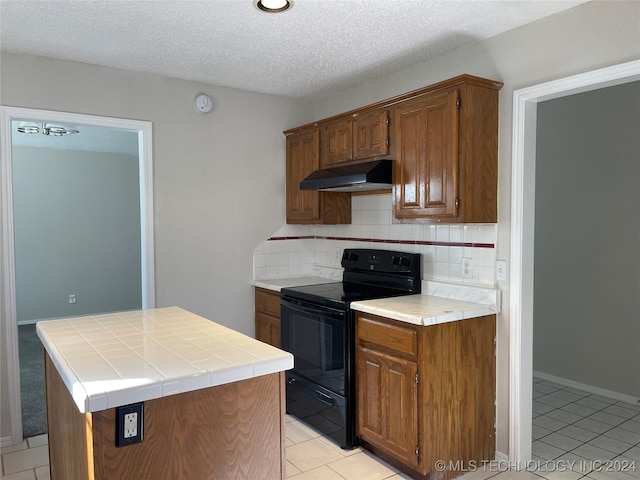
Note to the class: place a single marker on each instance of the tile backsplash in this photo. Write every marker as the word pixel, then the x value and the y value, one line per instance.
pixel 296 250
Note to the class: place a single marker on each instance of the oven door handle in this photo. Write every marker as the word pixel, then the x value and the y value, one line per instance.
pixel 323 397
pixel 293 305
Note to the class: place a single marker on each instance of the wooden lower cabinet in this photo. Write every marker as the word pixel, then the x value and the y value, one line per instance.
pixel 388 394
pixel 426 394
pixel 267 312
pixel 228 432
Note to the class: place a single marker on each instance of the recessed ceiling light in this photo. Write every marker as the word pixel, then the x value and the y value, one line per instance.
pixel 273 6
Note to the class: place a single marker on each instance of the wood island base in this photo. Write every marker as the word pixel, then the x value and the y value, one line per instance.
pixel 232 431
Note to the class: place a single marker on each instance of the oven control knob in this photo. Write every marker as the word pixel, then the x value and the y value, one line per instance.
pixel 396 260
pixel 404 261
pixel 350 256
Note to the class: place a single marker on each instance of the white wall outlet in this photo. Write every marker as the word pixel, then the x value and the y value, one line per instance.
pixel 72 299
pixel 501 270
pixel 130 425
pixel 467 267
pixel 338 254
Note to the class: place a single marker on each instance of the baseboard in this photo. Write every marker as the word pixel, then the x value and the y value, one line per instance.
pixel 27 322
pixel 502 458
pixel 587 388
pixel 5 442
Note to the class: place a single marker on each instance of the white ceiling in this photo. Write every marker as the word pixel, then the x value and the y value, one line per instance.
pixel 317 48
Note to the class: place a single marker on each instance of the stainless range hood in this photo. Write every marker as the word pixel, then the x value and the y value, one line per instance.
pixel 359 177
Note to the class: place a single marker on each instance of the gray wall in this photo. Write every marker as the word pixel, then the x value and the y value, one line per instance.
pixel 587 235
pixel 77 231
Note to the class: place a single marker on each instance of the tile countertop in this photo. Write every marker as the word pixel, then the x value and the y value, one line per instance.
pixel 439 303
pixel 121 358
pixel 277 284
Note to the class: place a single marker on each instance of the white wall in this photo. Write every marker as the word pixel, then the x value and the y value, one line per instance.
pixel 590 36
pixel 587 233
pixel 218 178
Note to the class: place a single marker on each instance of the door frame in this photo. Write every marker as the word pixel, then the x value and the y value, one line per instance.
pixel 521 289
pixel 7 272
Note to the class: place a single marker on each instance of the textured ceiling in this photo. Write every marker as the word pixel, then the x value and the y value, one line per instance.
pixel 317 48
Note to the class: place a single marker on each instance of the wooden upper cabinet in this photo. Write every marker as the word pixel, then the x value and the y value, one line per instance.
pixel 371 134
pixel 309 206
pixel 337 142
pixel 426 167
pixel 357 137
pixel 446 153
pixel 303 157
pixel 443 140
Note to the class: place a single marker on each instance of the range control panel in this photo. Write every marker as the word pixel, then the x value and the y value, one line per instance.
pixel 354 259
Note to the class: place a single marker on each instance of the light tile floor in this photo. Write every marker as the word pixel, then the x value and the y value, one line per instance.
pixel 575 435
pixel 27 461
pixel 600 434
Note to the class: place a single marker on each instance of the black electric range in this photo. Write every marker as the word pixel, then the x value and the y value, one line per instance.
pixel 318 328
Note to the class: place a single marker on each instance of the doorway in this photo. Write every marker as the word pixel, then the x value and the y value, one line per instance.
pixel 11 293
pixel 522 238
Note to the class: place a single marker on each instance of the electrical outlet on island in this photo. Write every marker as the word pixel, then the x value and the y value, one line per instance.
pixel 129 424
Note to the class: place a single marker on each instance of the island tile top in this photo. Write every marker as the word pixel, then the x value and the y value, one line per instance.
pixel 120 358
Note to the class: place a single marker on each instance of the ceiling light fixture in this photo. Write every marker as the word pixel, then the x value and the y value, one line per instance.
pixel 46 129
pixel 273 6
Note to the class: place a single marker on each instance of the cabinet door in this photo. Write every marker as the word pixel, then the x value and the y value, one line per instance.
pixel 267 313
pixel 336 143
pixel 426 154
pixel 303 157
pixel 268 329
pixel 387 403
pixel 371 132
pixel 267 301
pixel 263 327
pixel 274 332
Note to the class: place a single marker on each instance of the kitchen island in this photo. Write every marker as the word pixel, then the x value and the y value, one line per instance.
pixel 213 398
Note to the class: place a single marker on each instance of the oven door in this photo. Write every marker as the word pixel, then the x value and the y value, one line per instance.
pixel 319 388
pixel 316 337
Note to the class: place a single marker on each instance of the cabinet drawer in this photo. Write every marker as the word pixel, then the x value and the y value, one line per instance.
pixel 390 335
pixel 268 302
